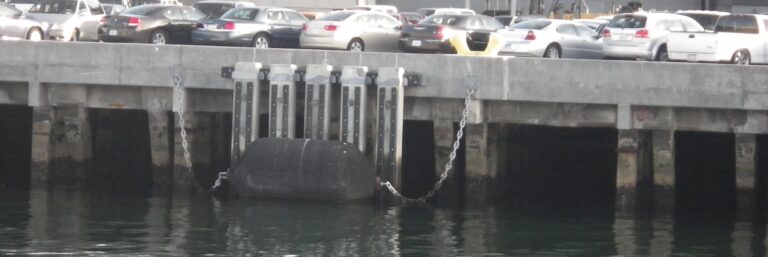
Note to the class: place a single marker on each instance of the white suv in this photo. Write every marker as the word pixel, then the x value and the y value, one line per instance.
pixel 643 35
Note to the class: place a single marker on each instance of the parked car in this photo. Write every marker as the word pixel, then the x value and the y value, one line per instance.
pixel 71 20
pixel 113 9
pixel 506 20
pixel 433 33
pixel 409 17
pixel 125 3
pixel 143 2
pixel 706 19
pixel 14 24
pixel 387 9
pixel 262 27
pixel 737 38
pixel 312 15
pixel 156 24
pixel 594 24
pixel 643 35
pixel 551 38
pixel 444 11
pixel 215 9
pixel 22 5
pixel 353 31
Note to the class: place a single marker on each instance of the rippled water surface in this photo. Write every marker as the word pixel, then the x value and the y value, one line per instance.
pixel 80 223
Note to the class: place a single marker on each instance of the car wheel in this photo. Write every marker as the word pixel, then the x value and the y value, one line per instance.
pixel 552 51
pixel 159 37
pixel 741 57
pixel 75 36
pixel 261 41
pixel 35 34
pixel 356 45
pixel 662 55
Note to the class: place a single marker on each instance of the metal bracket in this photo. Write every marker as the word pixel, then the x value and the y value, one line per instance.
pixel 264 74
pixel 299 75
pixel 411 79
pixel 335 77
pixel 226 71
pixel 370 78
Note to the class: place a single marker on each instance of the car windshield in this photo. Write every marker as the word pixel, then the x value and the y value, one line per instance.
pixel 442 20
pixel 532 24
pixel 628 22
pixel 213 10
pixel 707 21
pixel 143 10
pixel 336 16
pixel 54 6
pixel 247 14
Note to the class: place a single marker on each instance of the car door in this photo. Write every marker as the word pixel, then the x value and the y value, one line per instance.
pixel 8 24
pixel 369 30
pixel 185 26
pixel 764 37
pixel 569 40
pixel 295 21
pixel 389 28
pixel 590 45
pixel 279 28
pixel 90 22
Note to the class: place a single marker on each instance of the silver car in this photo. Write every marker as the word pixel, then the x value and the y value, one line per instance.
pixel 643 35
pixel 261 27
pixel 353 31
pixel 71 20
pixel 551 39
pixel 15 25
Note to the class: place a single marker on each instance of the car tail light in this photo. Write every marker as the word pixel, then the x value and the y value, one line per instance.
pixel 331 27
pixel 439 34
pixel 530 35
pixel 134 22
pixel 643 33
pixel 304 27
pixel 606 33
pixel 229 25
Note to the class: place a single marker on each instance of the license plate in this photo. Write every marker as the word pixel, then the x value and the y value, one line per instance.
pixel 112 32
pixel 210 26
pixel 416 43
pixel 692 57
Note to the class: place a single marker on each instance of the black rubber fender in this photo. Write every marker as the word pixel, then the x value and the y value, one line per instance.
pixel 303 169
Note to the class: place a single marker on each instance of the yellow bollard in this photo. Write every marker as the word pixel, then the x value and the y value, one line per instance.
pixel 459 43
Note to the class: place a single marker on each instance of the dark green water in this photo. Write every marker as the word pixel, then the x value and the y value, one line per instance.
pixel 81 224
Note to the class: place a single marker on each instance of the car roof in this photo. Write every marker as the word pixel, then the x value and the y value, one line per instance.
pixel 703 12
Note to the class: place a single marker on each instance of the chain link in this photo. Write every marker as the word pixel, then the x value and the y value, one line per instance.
pixel 179 92
pixel 448 165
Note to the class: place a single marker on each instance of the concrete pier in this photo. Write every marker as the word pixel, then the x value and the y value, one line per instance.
pixel 634 170
pixel 663 170
pixel 482 160
pixel 746 148
pixel 160 139
pixel 71 146
pixel 648 109
pixel 42 123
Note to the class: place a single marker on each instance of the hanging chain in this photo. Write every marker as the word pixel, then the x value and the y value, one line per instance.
pixel 448 165
pixel 179 92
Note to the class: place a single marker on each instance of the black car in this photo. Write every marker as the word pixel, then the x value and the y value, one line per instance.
pixel 156 24
pixel 433 33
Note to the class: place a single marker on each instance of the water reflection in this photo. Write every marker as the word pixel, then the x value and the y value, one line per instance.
pixel 91 223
